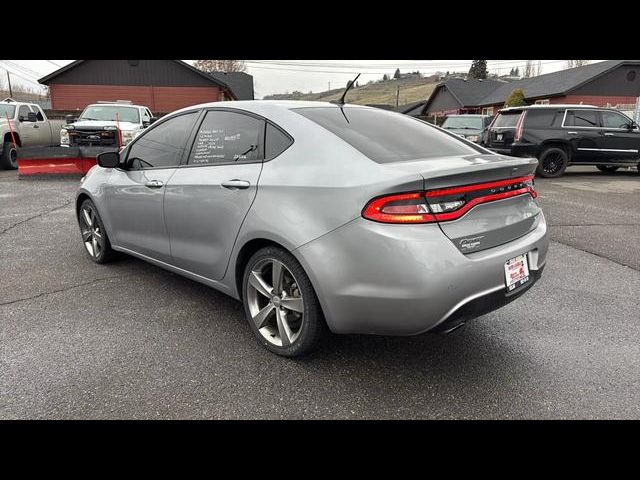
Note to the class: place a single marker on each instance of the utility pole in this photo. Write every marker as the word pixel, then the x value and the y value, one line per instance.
pixel 329 85
pixel 9 80
pixel 397 94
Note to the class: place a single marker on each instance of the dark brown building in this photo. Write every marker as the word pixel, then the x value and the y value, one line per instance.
pixel 612 83
pixel 161 85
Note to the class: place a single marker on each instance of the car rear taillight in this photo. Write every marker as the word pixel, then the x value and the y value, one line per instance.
pixel 518 134
pixel 443 204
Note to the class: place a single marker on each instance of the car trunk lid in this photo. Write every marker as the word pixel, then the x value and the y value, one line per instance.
pixel 497 204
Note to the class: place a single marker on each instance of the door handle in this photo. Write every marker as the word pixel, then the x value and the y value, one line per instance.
pixel 154 184
pixel 607 134
pixel 36 126
pixel 572 133
pixel 236 184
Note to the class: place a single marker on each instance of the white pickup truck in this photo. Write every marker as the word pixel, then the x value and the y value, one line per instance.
pixel 30 126
pixel 98 124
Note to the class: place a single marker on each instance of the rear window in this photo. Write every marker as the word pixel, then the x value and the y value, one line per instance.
pixel 386 137
pixel 507 120
pixel 543 118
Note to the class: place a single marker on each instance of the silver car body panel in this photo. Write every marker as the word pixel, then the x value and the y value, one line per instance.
pixel 369 277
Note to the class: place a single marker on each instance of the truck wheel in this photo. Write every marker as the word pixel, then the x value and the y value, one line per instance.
pixel 552 162
pixel 9 157
pixel 607 168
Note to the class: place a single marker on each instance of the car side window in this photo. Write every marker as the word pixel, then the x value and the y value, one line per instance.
pixel 226 137
pixel 275 142
pixel 614 120
pixel 163 145
pixel 581 118
pixel 39 115
pixel 23 111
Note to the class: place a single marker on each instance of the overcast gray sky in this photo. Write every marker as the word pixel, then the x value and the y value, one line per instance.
pixel 281 76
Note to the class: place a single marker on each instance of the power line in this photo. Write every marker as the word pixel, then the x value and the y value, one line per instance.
pixel 20 76
pixel 352 72
pixel 421 64
pixel 25 70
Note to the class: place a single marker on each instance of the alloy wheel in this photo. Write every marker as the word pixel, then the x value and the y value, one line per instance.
pixel 275 302
pixel 552 163
pixel 92 236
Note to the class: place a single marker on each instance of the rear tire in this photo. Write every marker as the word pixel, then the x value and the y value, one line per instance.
pixel 9 157
pixel 607 168
pixel 552 162
pixel 94 236
pixel 282 308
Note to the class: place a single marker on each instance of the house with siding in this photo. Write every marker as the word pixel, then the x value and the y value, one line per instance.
pixel 161 85
pixel 612 83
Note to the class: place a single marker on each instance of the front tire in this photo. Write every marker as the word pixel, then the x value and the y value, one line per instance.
pixel 94 236
pixel 280 303
pixel 552 162
pixel 607 168
pixel 9 157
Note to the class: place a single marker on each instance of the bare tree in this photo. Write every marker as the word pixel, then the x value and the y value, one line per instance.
pixel 529 69
pixel 220 65
pixel 532 68
pixel 577 63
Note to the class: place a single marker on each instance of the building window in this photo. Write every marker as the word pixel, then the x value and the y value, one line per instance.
pixel 544 101
pixel 487 111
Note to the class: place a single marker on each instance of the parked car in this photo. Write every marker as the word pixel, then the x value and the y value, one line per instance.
pixel 470 127
pixel 318 216
pixel 31 128
pixel 563 135
pixel 98 125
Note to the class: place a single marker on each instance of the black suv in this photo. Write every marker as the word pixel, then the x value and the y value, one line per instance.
pixel 562 135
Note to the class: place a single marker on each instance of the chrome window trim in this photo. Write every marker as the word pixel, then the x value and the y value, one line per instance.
pixel 564 118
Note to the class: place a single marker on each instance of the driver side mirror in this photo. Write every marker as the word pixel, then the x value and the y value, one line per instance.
pixel 146 123
pixel 31 117
pixel 108 159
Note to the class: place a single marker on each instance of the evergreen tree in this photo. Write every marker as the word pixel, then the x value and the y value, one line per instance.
pixel 516 99
pixel 397 74
pixel 478 69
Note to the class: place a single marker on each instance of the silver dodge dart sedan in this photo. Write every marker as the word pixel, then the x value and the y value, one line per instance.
pixel 321 217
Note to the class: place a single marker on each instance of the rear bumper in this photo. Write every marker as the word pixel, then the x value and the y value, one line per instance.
pixel 518 150
pixel 407 279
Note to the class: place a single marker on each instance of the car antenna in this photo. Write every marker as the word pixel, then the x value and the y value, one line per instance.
pixel 349 85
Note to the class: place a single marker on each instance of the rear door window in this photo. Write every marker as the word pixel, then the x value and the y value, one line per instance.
pixel 581 118
pixel 387 137
pixel 227 137
pixel 543 118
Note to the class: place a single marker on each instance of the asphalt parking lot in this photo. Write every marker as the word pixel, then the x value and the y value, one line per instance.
pixel 130 340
